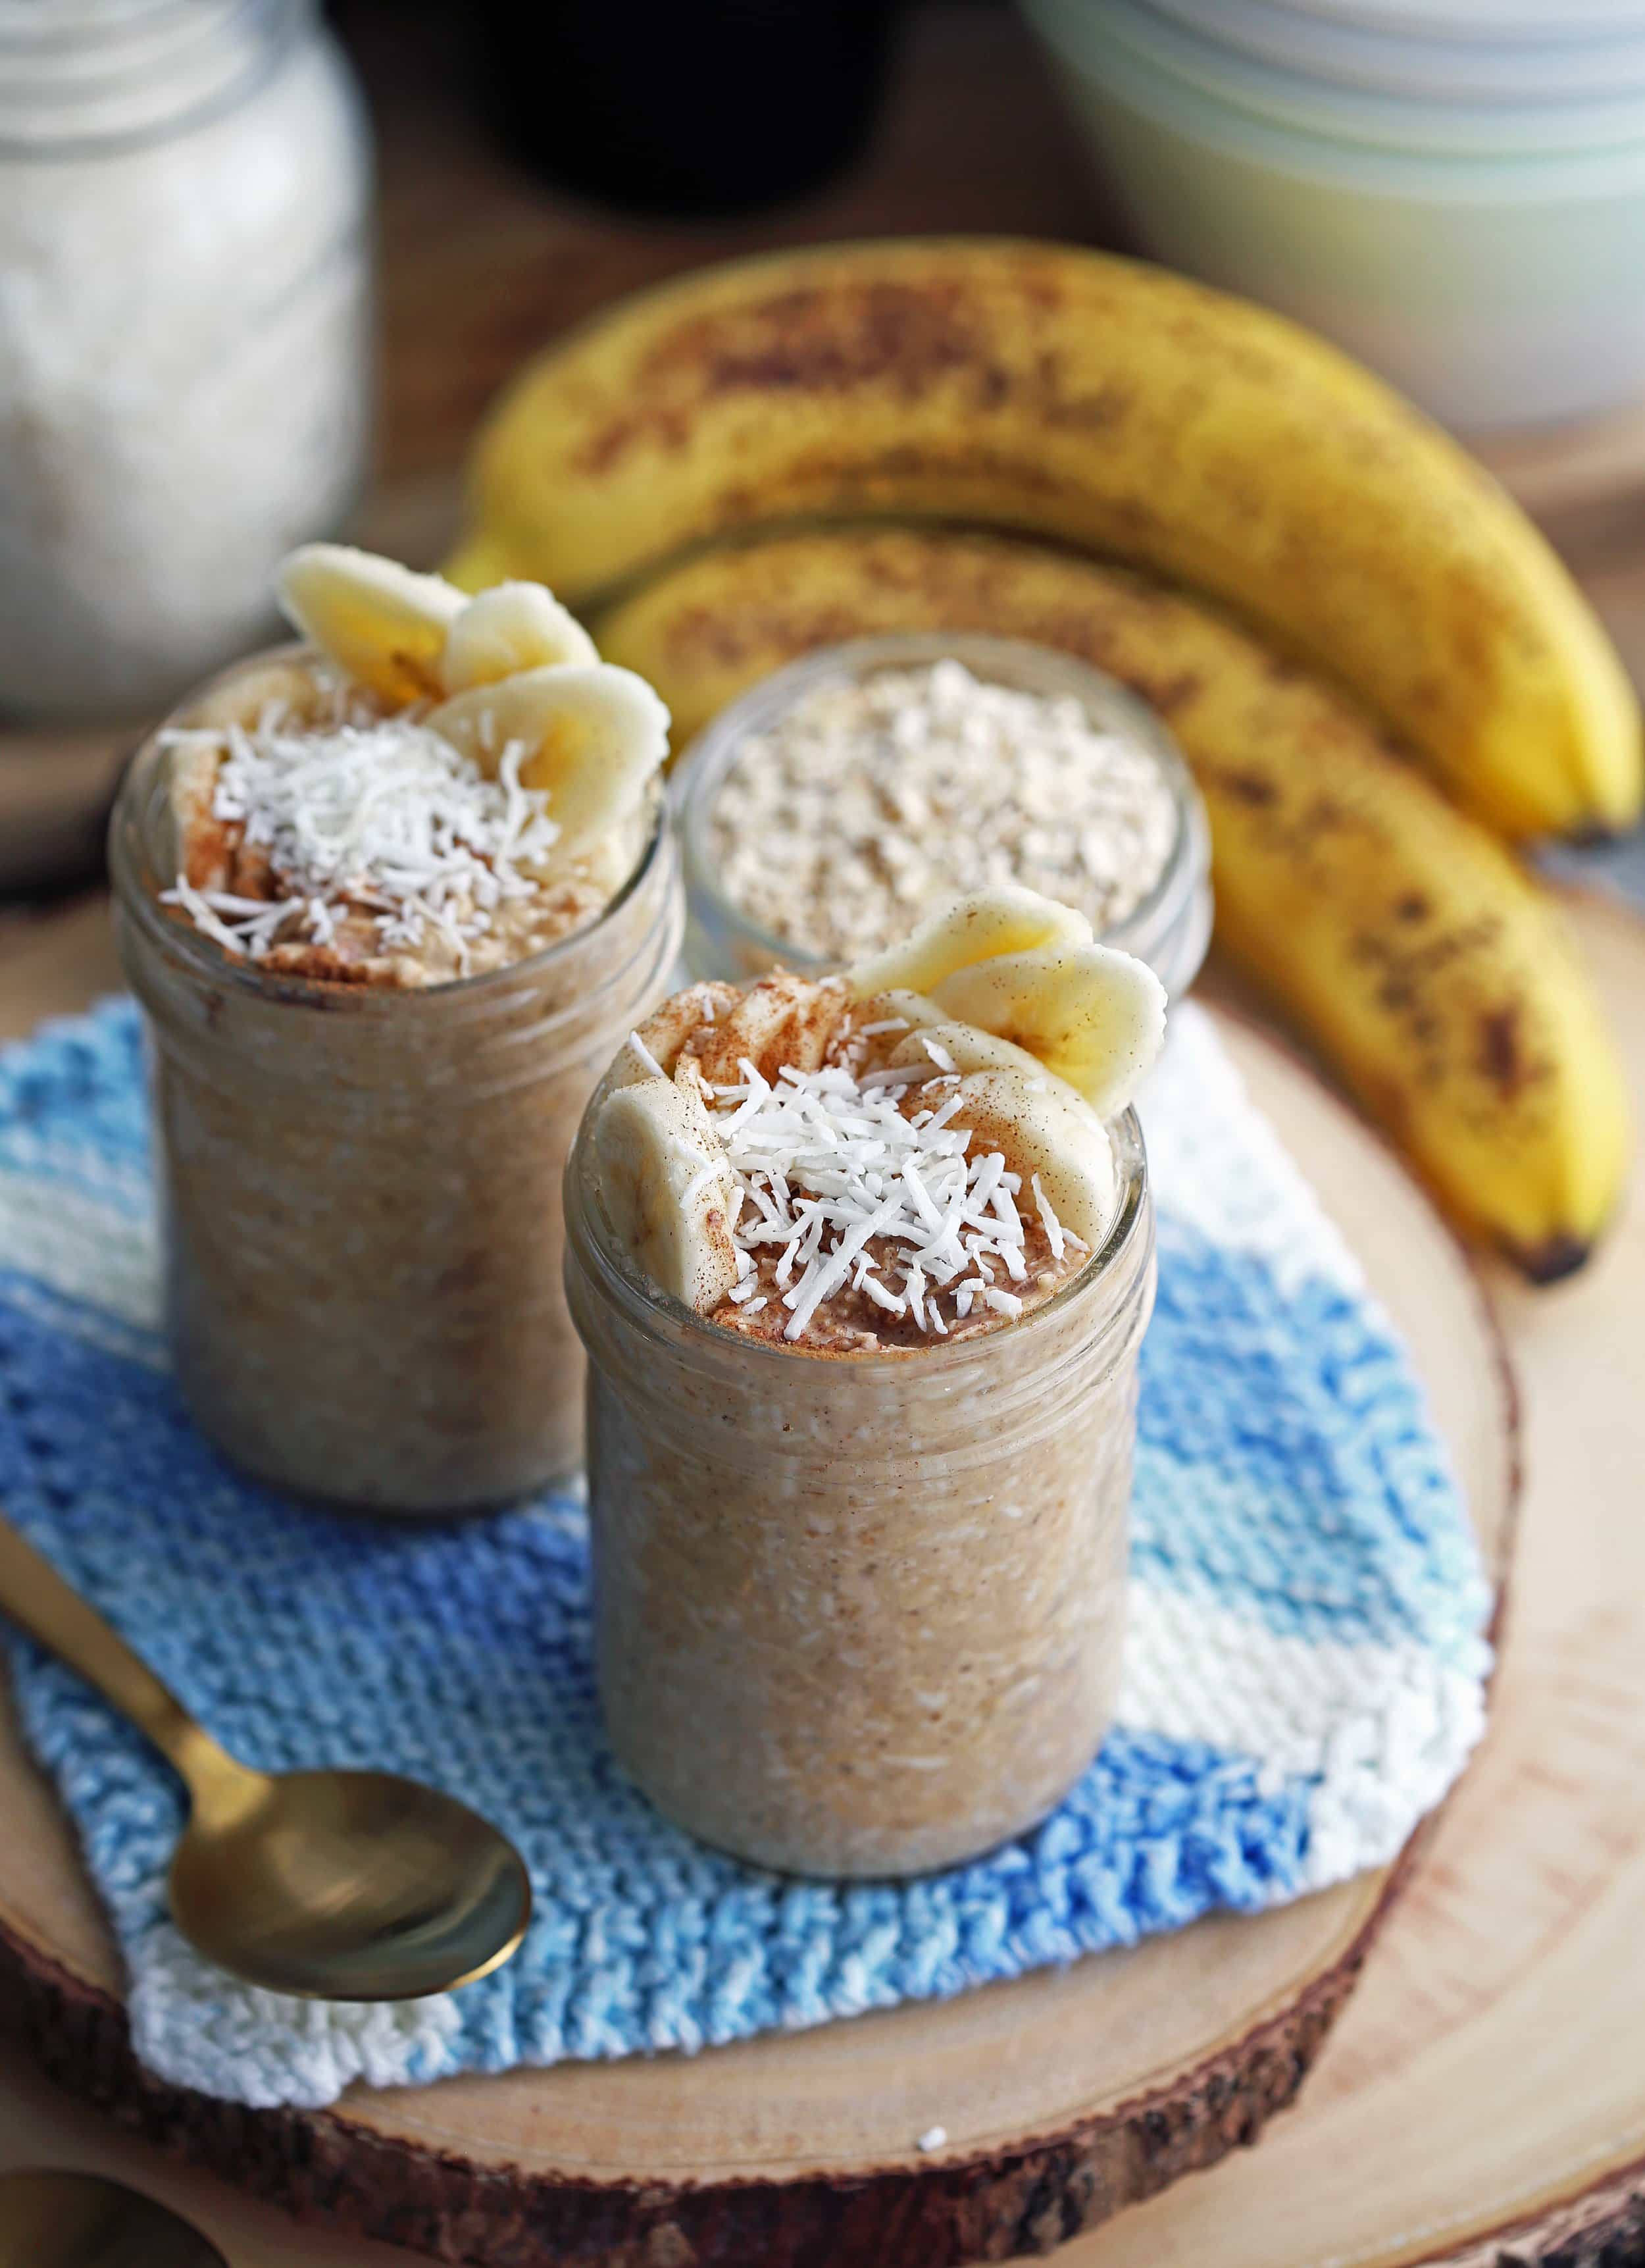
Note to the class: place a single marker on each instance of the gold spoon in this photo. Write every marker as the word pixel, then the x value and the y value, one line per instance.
pixel 338 1885
pixel 79 2220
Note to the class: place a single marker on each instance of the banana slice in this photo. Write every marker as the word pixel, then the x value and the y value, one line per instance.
pixel 513 626
pixel 199 849
pixel 594 736
pixel 606 862
pixel 782 1021
pixel 668 1189
pixel 1094 1016
pixel 1013 1103
pixel 968 1048
pixel 911 1008
pixel 384 625
pixel 666 1029
pixel 1045 1130
pixel 1005 920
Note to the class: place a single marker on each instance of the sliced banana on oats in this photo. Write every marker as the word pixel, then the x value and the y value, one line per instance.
pixel 593 734
pixel 199 846
pixel 508 666
pixel 604 864
pixel 509 627
pixel 1008 918
pixel 897 1006
pixel 384 625
pixel 1012 1102
pixel 1048 1135
pixel 782 1021
pixel 936 1042
pixel 1093 1016
pixel 1011 963
pixel 654 1049
pixel 668 1189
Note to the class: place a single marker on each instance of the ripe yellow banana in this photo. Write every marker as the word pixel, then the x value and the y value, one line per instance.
pixel 1430 970
pixel 1107 405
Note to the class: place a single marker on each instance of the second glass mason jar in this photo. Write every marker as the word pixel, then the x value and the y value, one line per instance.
pixel 860 1617
pixel 361 1186
pixel 1171 929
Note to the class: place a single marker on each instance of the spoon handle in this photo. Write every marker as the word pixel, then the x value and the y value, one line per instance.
pixel 34 1596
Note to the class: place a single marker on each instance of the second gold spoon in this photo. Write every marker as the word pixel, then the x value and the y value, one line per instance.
pixel 336 1885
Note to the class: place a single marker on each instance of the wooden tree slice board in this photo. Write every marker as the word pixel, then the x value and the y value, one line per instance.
pixel 1483 2102
pixel 1063 2096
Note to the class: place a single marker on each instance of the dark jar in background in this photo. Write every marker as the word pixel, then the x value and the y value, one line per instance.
pixel 686 108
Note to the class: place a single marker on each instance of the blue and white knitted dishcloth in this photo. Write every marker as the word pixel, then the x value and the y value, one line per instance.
pixel 1305 1669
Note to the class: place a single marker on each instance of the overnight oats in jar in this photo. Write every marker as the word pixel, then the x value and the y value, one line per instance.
pixel 862 1265
pixel 389 901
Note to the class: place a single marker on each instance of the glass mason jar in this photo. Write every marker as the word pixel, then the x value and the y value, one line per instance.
pixel 361 1186
pixel 861 1615
pixel 185 362
pixel 1171 927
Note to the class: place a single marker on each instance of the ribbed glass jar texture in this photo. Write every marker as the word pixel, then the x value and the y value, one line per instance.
pixel 859 1615
pixel 362 1187
pixel 185 350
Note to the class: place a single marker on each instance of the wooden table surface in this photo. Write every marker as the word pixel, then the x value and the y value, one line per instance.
pixel 480 264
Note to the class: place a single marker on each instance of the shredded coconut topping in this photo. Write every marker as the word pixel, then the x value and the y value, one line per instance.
pixel 362 812
pixel 871 801
pixel 829 1166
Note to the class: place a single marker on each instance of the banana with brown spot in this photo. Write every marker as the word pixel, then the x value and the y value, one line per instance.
pixel 1430 971
pixel 1107 404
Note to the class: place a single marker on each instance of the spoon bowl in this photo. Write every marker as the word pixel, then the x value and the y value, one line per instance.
pixel 79 2220
pixel 335 1885
pixel 346 1886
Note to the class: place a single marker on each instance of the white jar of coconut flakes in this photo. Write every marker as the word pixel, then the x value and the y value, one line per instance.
pixel 184 334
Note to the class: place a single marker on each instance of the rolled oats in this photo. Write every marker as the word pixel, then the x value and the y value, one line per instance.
pixel 873 799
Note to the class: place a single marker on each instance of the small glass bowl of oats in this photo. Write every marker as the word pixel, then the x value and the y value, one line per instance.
pixel 838 802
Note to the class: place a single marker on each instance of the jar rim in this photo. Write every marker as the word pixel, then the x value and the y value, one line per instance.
pixel 1025 665
pixel 130 76
pixel 136 885
pixel 1120 1258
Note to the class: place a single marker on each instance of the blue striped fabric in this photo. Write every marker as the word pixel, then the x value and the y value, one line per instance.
pixel 1304 1673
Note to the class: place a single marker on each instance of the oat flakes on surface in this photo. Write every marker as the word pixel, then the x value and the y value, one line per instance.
pixel 872 800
